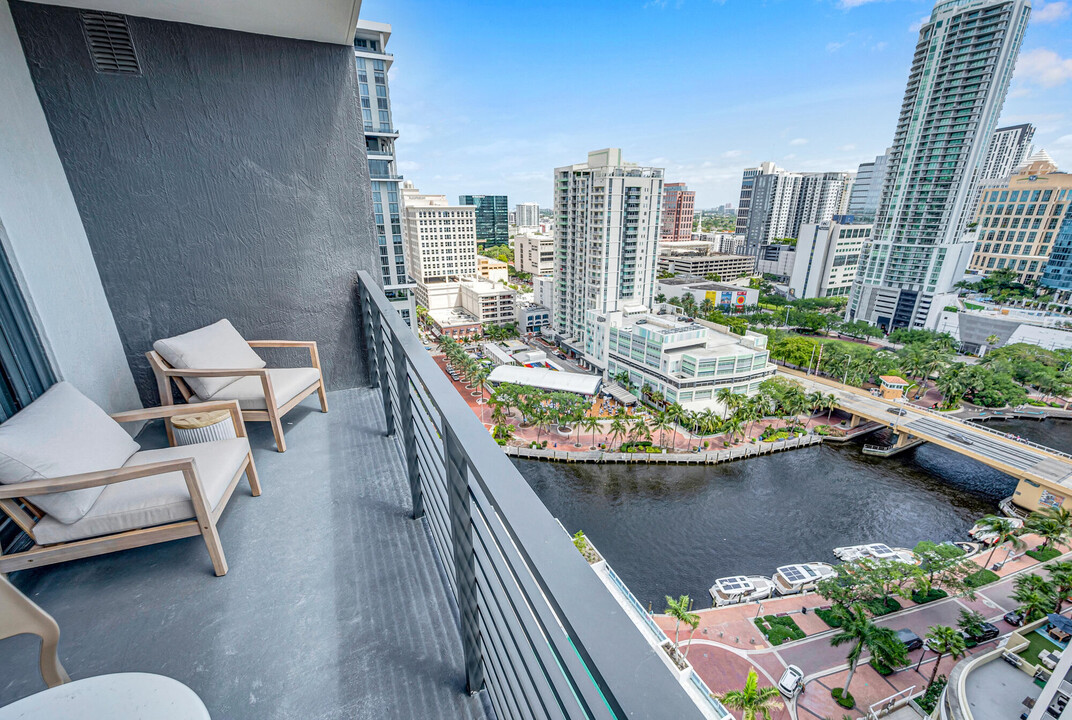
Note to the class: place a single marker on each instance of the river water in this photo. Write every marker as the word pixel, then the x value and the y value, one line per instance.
pixel 674 529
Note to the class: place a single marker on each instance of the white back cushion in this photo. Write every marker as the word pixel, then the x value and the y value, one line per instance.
pixel 215 346
pixel 62 433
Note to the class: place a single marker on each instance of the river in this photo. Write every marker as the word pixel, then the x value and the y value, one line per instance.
pixel 674 529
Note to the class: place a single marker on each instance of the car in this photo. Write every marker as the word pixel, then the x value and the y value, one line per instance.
pixel 791 682
pixel 897 411
pixel 1014 618
pixel 960 438
pixel 910 639
pixel 986 631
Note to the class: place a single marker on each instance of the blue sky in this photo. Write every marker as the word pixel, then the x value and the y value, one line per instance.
pixel 490 97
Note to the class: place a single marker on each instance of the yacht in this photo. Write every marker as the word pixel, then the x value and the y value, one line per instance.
pixel 875 551
pixel 984 536
pixel 907 556
pixel 792 579
pixel 740 589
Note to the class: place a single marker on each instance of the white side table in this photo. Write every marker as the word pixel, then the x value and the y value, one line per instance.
pixel 203 427
pixel 121 696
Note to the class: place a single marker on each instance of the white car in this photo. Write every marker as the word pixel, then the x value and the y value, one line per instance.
pixel 791 682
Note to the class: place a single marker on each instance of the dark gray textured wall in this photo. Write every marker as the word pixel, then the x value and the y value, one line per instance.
pixel 229 180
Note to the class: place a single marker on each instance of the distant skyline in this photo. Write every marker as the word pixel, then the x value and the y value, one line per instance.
pixel 490 99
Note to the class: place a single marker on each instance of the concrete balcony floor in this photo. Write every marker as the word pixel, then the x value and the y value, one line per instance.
pixel 334 606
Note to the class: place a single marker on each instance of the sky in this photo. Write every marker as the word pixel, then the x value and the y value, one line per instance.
pixel 490 97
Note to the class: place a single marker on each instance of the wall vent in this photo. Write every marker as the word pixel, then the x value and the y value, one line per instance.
pixel 110 43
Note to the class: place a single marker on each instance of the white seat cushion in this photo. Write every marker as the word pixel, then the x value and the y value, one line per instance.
pixel 62 433
pixel 249 392
pixel 214 346
pixel 155 500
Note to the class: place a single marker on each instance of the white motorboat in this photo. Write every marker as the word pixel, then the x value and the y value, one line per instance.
pixel 740 589
pixel 875 551
pixel 907 556
pixel 985 536
pixel 802 577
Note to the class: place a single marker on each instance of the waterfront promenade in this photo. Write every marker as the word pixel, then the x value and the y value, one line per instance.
pixel 727 643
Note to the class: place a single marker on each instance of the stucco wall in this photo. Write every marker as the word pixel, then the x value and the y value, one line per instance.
pixel 46 243
pixel 228 180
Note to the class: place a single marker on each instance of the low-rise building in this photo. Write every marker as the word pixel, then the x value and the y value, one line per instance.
pixel 722 295
pixel 727 267
pixel 492 270
pixel 487 302
pixel 543 291
pixel 531 317
pixel 827 257
pixel 776 260
pixel 686 360
pixel 455 322
pixel 534 253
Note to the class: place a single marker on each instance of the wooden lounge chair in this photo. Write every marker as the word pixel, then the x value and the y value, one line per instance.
pixel 217 363
pixel 79 486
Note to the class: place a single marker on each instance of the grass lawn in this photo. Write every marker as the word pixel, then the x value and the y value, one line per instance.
pixel 980 578
pixel 1037 643
pixel 778 630
pixel 1042 555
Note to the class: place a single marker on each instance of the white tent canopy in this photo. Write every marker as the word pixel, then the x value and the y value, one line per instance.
pixel 546 379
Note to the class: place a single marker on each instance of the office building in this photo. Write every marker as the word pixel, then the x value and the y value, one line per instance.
pixel 534 253
pixel 957 84
pixel 492 270
pixel 492 218
pixel 1008 150
pixel 782 201
pixel 1058 271
pixel 440 239
pixel 748 182
pixel 530 316
pixel 775 262
pixel 867 189
pixel 1018 220
pixel 606 240
pixel 543 290
pixel 373 66
pixel 826 258
pixel 486 302
pixel 678 212
pixel 688 361
pixel 527 215
pixel 727 267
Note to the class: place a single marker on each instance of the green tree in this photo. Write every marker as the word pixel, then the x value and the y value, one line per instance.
pixel 660 425
pixel 1053 525
pixel 1005 530
pixel 860 632
pixel 753 701
pixel 1061 581
pixel 944 640
pixel 677 414
pixel 592 425
pixel 971 622
pixel 618 428
pixel 1035 597
pixel 680 610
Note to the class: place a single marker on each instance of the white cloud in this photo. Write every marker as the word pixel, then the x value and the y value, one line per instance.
pixel 732 154
pixel 1065 141
pixel 1044 67
pixel 1050 12
pixel 790 156
pixel 832 47
pixel 798 141
pixel 918 24
pixel 849 4
pixel 408 165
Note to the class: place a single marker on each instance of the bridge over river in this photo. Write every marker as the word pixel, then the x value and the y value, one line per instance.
pixel 1045 474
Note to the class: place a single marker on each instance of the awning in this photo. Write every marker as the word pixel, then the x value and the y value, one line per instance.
pixel 1060 622
pixel 620 394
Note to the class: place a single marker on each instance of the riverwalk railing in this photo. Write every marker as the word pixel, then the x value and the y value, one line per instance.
pixel 539 630
pixel 710 457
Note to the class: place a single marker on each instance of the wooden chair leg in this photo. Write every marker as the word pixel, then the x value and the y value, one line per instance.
pixel 277 430
pixel 251 476
pixel 22 615
pixel 323 397
pixel 204 520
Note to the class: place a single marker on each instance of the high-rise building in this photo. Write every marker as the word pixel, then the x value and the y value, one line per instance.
pixel 960 75
pixel 492 218
pixel 440 239
pixel 1058 271
pixel 782 201
pixel 606 241
pixel 678 212
pixel 1007 151
pixel 373 64
pixel 527 214
pixel 534 253
pixel 1018 220
pixel 826 258
pixel 867 190
pixel 748 182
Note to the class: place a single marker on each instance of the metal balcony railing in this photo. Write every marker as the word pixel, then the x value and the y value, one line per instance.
pixel 539 630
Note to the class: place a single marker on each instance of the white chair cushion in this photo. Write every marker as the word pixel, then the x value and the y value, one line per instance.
pixel 155 500
pixel 62 433
pixel 249 392
pixel 215 346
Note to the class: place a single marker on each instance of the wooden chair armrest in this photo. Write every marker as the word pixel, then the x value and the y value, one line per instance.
pixel 314 352
pixel 95 479
pixel 169 411
pixel 213 372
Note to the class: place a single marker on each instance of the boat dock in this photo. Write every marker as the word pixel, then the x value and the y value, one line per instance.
pixel 709 457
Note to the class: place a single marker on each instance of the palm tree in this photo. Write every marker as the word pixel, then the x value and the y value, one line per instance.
pixel 676 414
pixel 815 403
pixel 679 610
pixel 732 426
pixel 618 428
pixel 729 399
pixel 1053 525
pixel 639 429
pixel 858 630
pixel 753 700
pixel 830 402
pixel 660 425
pixel 591 424
pixel 1061 581
pixel 952 384
pixel 1005 531
pixel 1034 596
pixel 944 640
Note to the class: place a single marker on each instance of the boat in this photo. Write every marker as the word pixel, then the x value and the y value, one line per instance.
pixel 875 551
pixel 969 548
pixel 907 556
pixel 802 577
pixel 989 538
pixel 740 589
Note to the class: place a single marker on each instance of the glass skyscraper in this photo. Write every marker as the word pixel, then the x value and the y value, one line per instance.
pixel 1058 273
pixel 492 218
